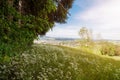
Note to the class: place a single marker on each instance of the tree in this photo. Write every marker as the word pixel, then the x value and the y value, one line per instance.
pixel 56 12
pixel 85 34
pixel 22 21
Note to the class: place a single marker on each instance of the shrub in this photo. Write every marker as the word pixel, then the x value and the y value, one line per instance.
pixel 107 48
pixel 117 50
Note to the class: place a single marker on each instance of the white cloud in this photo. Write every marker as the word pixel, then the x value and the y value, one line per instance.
pixel 103 18
pixel 64 31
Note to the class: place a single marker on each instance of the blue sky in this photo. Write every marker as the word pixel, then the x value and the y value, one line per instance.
pixel 101 16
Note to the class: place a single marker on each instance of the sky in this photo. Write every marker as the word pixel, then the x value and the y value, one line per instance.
pixel 100 16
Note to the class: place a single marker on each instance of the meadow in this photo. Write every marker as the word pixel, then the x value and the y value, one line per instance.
pixel 48 62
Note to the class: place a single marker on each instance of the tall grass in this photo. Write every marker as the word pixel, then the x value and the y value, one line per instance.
pixel 95 67
pixel 46 62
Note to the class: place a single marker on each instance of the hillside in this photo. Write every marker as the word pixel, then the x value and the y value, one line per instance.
pixel 94 67
pixel 47 62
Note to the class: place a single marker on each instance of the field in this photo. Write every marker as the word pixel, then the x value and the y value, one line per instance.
pixel 47 62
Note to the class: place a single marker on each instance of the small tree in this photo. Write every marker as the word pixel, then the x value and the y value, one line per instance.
pixel 85 34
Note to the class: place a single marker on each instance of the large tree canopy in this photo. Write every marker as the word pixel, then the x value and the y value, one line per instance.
pixel 49 10
pixel 22 20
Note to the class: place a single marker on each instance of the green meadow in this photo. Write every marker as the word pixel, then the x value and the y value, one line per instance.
pixel 47 62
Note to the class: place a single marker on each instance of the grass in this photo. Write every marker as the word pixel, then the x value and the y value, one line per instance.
pixel 47 62
pixel 90 66
pixel 95 67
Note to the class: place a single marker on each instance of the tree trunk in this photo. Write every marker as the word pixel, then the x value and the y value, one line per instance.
pixel 20 11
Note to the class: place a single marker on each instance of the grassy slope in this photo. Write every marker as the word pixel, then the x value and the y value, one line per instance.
pixel 94 67
pixel 78 65
pixel 47 62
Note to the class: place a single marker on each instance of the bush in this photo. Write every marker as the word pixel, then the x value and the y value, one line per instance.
pixel 117 50
pixel 14 38
pixel 107 48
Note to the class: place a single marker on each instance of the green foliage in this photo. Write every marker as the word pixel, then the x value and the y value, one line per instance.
pixel 48 10
pixel 13 39
pixel 40 63
pixel 20 25
pixel 117 50
pixel 100 47
pixel 45 62
pixel 86 46
pixel 107 48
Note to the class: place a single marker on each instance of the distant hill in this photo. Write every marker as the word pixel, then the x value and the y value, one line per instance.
pixel 65 39
pixel 57 38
